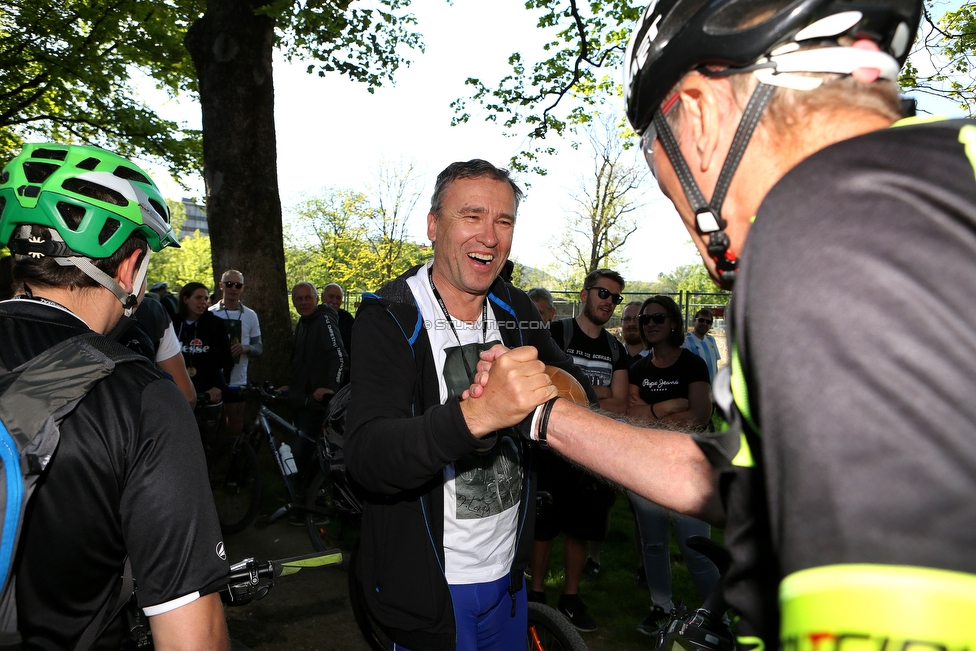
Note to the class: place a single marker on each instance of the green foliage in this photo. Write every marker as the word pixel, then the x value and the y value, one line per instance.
pixel 363 43
pixel 68 70
pixel 587 45
pixel 946 43
pixel 689 278
pixel 191 262
pixel 338 237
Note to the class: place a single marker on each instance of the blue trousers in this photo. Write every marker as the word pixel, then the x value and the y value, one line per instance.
pixel 483 613
pixel 655 523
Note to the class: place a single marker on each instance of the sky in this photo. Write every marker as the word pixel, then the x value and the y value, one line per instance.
pixel 331 132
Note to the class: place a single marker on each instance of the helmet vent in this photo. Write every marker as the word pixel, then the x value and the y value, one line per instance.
pixel 4 176
pixel 38 172
pixel 161 209
pixel 678 17
pixel 53 154
pixel 89 163
pixel 3 202
pixel 108 230
pixel 100 192
pixel 71 214
pixel 130 174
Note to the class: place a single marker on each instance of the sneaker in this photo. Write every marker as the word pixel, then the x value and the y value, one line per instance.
pixel 591 569
pixel 538 597
pixel 651 624
pixel 574 609
pixel 641 578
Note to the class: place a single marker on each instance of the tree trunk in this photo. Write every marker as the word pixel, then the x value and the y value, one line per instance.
pixel 231 48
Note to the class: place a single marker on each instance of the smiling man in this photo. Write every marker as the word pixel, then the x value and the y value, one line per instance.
pixel 451 482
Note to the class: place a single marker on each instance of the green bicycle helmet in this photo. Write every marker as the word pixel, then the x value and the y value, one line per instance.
pixel 51 185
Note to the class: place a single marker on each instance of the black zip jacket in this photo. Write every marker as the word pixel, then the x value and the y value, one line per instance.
pixel 399 439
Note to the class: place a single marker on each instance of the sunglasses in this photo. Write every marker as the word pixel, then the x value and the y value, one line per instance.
pixel 228 284
pixel 605 293
pixel 701 320
pixel 657 317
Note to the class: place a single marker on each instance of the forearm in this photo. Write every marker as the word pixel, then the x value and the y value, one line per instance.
pixel 666 467
pixel 614 404
pixel 255 347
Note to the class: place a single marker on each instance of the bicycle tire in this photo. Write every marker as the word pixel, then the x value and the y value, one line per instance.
pixel 235 480
pixel 371 631
pixel 318 497
pixel 549 630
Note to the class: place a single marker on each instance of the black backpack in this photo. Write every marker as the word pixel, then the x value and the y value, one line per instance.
pixel 34 399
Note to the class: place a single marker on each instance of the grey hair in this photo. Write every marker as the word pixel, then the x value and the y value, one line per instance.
pixel 468 170
pixel 315 292
pixel 537 293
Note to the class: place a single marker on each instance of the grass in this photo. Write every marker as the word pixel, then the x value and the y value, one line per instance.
pixel 613 599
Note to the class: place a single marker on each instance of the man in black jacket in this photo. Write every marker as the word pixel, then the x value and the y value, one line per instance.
pixel 319 366
pixel 447 525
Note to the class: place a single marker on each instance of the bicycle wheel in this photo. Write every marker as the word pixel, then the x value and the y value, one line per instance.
pixel 549 630
pixel 235 479
pixel 321 518
pixel 371 631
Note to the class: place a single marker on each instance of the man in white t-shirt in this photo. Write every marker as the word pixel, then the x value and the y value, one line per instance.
pixel 447 525
pixel 244 331
pixel 698 341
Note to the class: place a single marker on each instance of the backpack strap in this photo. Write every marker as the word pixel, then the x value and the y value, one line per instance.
pixel 37 396
pixel 614 347
pixel 567 326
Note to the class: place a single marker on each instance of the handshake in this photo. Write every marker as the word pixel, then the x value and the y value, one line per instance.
pixel 513 388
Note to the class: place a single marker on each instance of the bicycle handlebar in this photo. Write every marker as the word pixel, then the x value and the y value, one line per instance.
pixel 243 584
pixel 265 392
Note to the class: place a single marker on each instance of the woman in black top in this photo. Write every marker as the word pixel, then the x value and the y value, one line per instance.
pixel 206 348
pixel 671 383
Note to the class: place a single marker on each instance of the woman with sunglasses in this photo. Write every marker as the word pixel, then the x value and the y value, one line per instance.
pixel 203 337
pixel 670 384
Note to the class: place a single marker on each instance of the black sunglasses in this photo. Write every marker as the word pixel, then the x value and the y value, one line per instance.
pixel 701 320
pixel 605 293
pixel 657 317
pixel 228 284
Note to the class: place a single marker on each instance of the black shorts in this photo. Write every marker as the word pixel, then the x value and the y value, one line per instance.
pixel 580 501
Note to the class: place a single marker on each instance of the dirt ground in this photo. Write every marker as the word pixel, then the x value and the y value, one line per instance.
pixel 306 611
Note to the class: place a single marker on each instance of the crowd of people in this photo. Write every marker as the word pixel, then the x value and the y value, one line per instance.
pixel 841 468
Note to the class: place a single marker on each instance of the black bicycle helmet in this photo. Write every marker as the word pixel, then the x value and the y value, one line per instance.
pixel 677 36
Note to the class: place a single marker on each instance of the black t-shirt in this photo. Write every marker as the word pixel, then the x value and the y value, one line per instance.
pixel 206 351
pixel 660 384
pixel 128 478
pixel 854 319
pixel 596 357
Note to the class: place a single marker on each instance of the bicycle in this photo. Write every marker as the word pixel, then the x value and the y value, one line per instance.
pixel 703 629
pixel 249 580
pixel 235 474
pixel 331 492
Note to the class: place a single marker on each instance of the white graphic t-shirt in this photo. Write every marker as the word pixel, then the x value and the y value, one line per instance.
pixel 482 490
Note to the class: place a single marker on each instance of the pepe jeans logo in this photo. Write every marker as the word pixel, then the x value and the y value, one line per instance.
pixel 659 385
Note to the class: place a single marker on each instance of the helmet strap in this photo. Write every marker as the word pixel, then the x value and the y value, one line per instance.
pixel 708 214
pixel 129 300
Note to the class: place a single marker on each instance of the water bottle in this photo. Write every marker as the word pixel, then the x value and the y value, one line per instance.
pixel 288 459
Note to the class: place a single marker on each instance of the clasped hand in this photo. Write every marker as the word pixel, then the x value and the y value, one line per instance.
pixel 508 385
